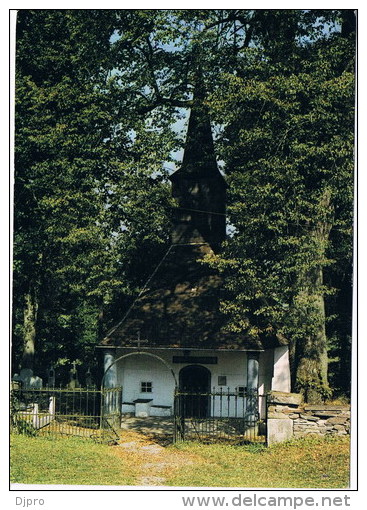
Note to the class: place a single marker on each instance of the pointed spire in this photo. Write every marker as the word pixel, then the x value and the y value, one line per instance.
pixel 198 185
pixel 199 156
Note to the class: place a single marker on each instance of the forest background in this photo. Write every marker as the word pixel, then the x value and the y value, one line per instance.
pixel 100 95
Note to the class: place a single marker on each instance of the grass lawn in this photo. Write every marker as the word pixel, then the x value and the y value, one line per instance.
pixel 311 463
pixel 67 461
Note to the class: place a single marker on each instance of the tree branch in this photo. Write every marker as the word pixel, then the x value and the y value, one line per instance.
pixel 165 101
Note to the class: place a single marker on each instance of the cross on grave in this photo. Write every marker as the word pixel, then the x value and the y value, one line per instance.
pixel 74 383
pixel 88 378
pixel 51 377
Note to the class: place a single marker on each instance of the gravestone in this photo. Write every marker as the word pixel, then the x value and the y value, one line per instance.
pixel 51 377
pixel 88 379
pixel 16 382
pixel 74 382
pixel 28 380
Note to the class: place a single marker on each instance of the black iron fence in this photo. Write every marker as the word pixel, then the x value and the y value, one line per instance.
pixel 87 413
pixel 220 415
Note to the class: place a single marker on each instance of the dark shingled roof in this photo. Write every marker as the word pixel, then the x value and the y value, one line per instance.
pixel 180 309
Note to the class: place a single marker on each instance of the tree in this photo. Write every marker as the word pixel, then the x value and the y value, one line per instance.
pixel 57 159
pixel 80 181
pixel 96 106
pixel 289 194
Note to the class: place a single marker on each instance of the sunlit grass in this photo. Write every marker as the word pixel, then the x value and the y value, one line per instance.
pixel 308 463
pixel 67 461
pixel 311 463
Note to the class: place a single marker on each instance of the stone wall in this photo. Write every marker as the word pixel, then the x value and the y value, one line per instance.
pixel 288 416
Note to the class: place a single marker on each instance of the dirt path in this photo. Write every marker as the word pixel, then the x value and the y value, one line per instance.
pixel 155 463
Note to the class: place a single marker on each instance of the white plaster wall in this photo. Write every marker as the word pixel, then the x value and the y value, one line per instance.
pixel 135 369
pixel 281 378
pixel 266 361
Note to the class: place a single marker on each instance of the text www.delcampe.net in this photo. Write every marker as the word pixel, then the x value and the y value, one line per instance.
pixel 255 500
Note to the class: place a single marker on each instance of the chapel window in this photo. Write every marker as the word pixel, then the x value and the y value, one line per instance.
pixel 146 387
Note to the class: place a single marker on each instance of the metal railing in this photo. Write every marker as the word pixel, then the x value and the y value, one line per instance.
pixel 220 415
pixel 82 412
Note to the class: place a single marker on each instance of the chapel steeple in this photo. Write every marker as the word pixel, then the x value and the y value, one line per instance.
pixel 198 186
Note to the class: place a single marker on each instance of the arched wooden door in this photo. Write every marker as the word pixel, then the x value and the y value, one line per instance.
pixel 195 383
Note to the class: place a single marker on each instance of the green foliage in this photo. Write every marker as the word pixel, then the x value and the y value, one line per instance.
pixel 98 94
pixel 24 427
pixel 18 424
pixel 87 182
pixel 288 147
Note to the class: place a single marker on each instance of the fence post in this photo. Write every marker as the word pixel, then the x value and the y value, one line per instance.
pixel 35 412
pixel 51 407
pixel 279 424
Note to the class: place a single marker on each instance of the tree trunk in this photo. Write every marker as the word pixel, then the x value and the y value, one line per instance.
pixel 30 318
pixel 101 323
pixel 348 22
pixel 311 358
pixel 310 353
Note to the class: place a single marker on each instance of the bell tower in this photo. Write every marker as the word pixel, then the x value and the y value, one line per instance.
pixel 198 186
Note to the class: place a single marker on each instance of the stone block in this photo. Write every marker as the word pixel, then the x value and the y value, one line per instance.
pixel 142 407
pixel 279 430
pixel 128 408
pixel 339 427
pixel 280 397
pixel 337 420
pixel 291 410
pixel 160 411
pixel 322 430
pixel 306 426
pixel 324 414
pixel 326 407
pixel 309 417
pixel 277 416
pixel 321 423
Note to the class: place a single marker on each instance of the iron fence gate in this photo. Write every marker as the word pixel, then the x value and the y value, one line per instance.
pixel 220 415
pixel 111 404
pixel 88 413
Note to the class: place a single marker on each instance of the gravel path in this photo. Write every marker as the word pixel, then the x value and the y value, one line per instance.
pixel 155 462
